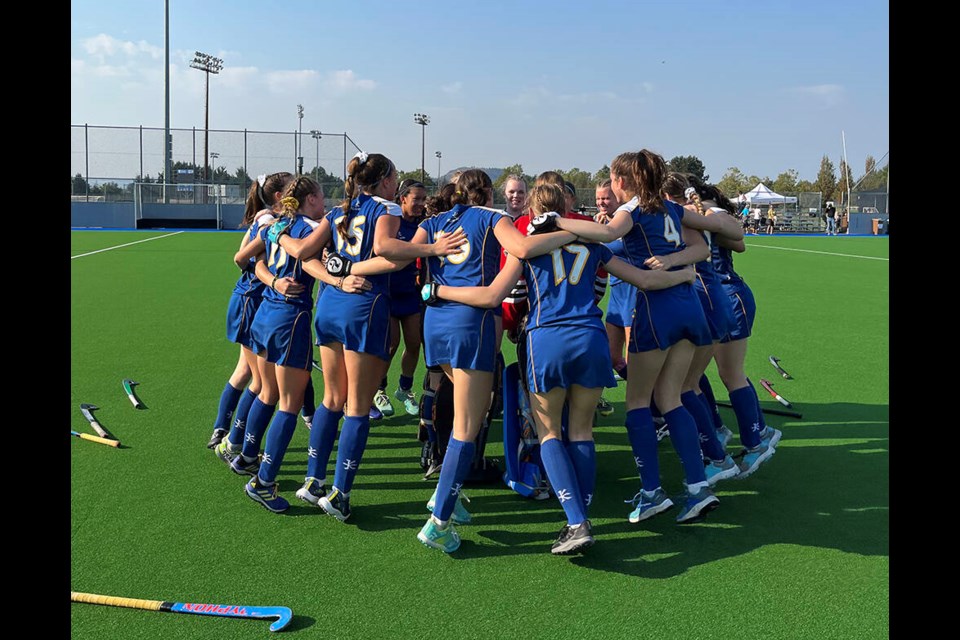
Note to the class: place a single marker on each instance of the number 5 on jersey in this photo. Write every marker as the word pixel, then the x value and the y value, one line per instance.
pixel 455 258
pixel 352 243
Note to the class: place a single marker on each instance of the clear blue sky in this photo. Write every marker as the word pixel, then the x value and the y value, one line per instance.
pixel 762 85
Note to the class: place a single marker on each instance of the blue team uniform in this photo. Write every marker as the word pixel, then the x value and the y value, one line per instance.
pixel 281 328
pixel 358 321
pixel 623 295
pixel 404 293
pixel 566 340
pixel 246 297
pixel 458 334
pixel 739 297
pixel 665 316
pixel 715 301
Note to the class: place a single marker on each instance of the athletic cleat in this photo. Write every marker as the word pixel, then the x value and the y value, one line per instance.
pixel 243 468
pixel 753 458
pixel 382 402
pixel 649 504
pixel 225 451
pixel 663 431
pixel 218 435
pixel 436 537
pixel 266 495
pixel 409 401
pixel 460 514
pixel 307 420
pixel 724 435
pixel 336 505
pixel 698 504
pixel 771 436
pixel 604 408
pixel 573 539
pixel 717 471
pixel 311 491
pixel 375 413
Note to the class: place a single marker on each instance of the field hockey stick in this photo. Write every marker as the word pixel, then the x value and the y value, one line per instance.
pixel 87 411
pixel 87 436
pixel 775 361
pixel 773 412
pixel 128 386
pixel 282 614
pixel 769 387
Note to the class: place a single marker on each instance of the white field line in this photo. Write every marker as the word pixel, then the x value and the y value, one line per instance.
pixel 166 235
pixel 826 253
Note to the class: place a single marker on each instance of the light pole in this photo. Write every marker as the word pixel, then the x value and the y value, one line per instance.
pixel 300 141
pixel 208 64
pixel 438 169
pixel 316 136
pixel 213 168
pixel 423 120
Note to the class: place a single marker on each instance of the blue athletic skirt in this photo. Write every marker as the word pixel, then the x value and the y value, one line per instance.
pixel 240 313
pixel 620 306
pixel 281 334
pixel 459 335
pixel 358 321
pixel 667 316
pixel 716 306
pixel 561 356
pixel 404 304
pixel 744 308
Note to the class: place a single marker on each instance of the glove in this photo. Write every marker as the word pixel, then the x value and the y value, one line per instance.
pixel 544 223
pixel 279 228
pixel 337 266
pixel 429 293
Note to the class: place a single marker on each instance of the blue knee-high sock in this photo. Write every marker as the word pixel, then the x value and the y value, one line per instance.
pixel 563 479
pixel 406 382
pixel 456 465
pixel 353 440
pixel 275 446
pixel 309 400
pixel 683 435
pixel 760 418
pixel 643 441
pixel 228 403
pixel 709 443
pixel 711 401
pixel 257 421
pixel 235 437
pixel 583 457
pixel 744 401
pixel 322 436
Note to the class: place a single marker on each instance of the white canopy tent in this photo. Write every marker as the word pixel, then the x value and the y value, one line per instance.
pixel 761 194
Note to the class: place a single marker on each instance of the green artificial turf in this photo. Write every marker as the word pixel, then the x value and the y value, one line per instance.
pixel 798 550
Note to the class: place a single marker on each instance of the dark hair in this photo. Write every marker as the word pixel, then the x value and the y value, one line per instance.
pixel 643 173
pixel 262 197
pixel 441 201
pixel 295 194
pixel 676 184
pixel 472 188
pixel 362 176
pixel 404 188
pixel 550 177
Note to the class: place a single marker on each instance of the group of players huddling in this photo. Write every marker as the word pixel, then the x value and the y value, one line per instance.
pixel 463 277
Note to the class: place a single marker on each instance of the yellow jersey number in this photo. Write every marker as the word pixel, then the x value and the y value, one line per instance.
pixel 352 243
pixel 455 258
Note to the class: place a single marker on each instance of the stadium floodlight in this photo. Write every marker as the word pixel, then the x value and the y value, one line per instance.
pixel 423 120
pixel 438 168
pixel 299 144
pixel 208 64
pixel 316 136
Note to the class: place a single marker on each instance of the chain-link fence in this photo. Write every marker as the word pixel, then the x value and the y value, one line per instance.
pixel 105 162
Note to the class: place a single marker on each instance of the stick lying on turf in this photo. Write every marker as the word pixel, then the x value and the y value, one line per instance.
pixel 775 361
pixel 87 411
pixel 282 614
pixel 87 436
pixel 774 412
pixel 128 386
pixel 769 387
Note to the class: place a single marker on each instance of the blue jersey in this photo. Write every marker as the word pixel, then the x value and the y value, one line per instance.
pixel 282 265
pixel 654 233
pixel 478 262
pixel 248 284
pixel 722 261
pixel 405 280
pixel 558 292
pixel 616 247
pixel 356 244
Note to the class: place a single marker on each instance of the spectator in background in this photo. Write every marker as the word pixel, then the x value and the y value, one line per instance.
pixel 755 220
pixel 830 213
pixel 771 221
